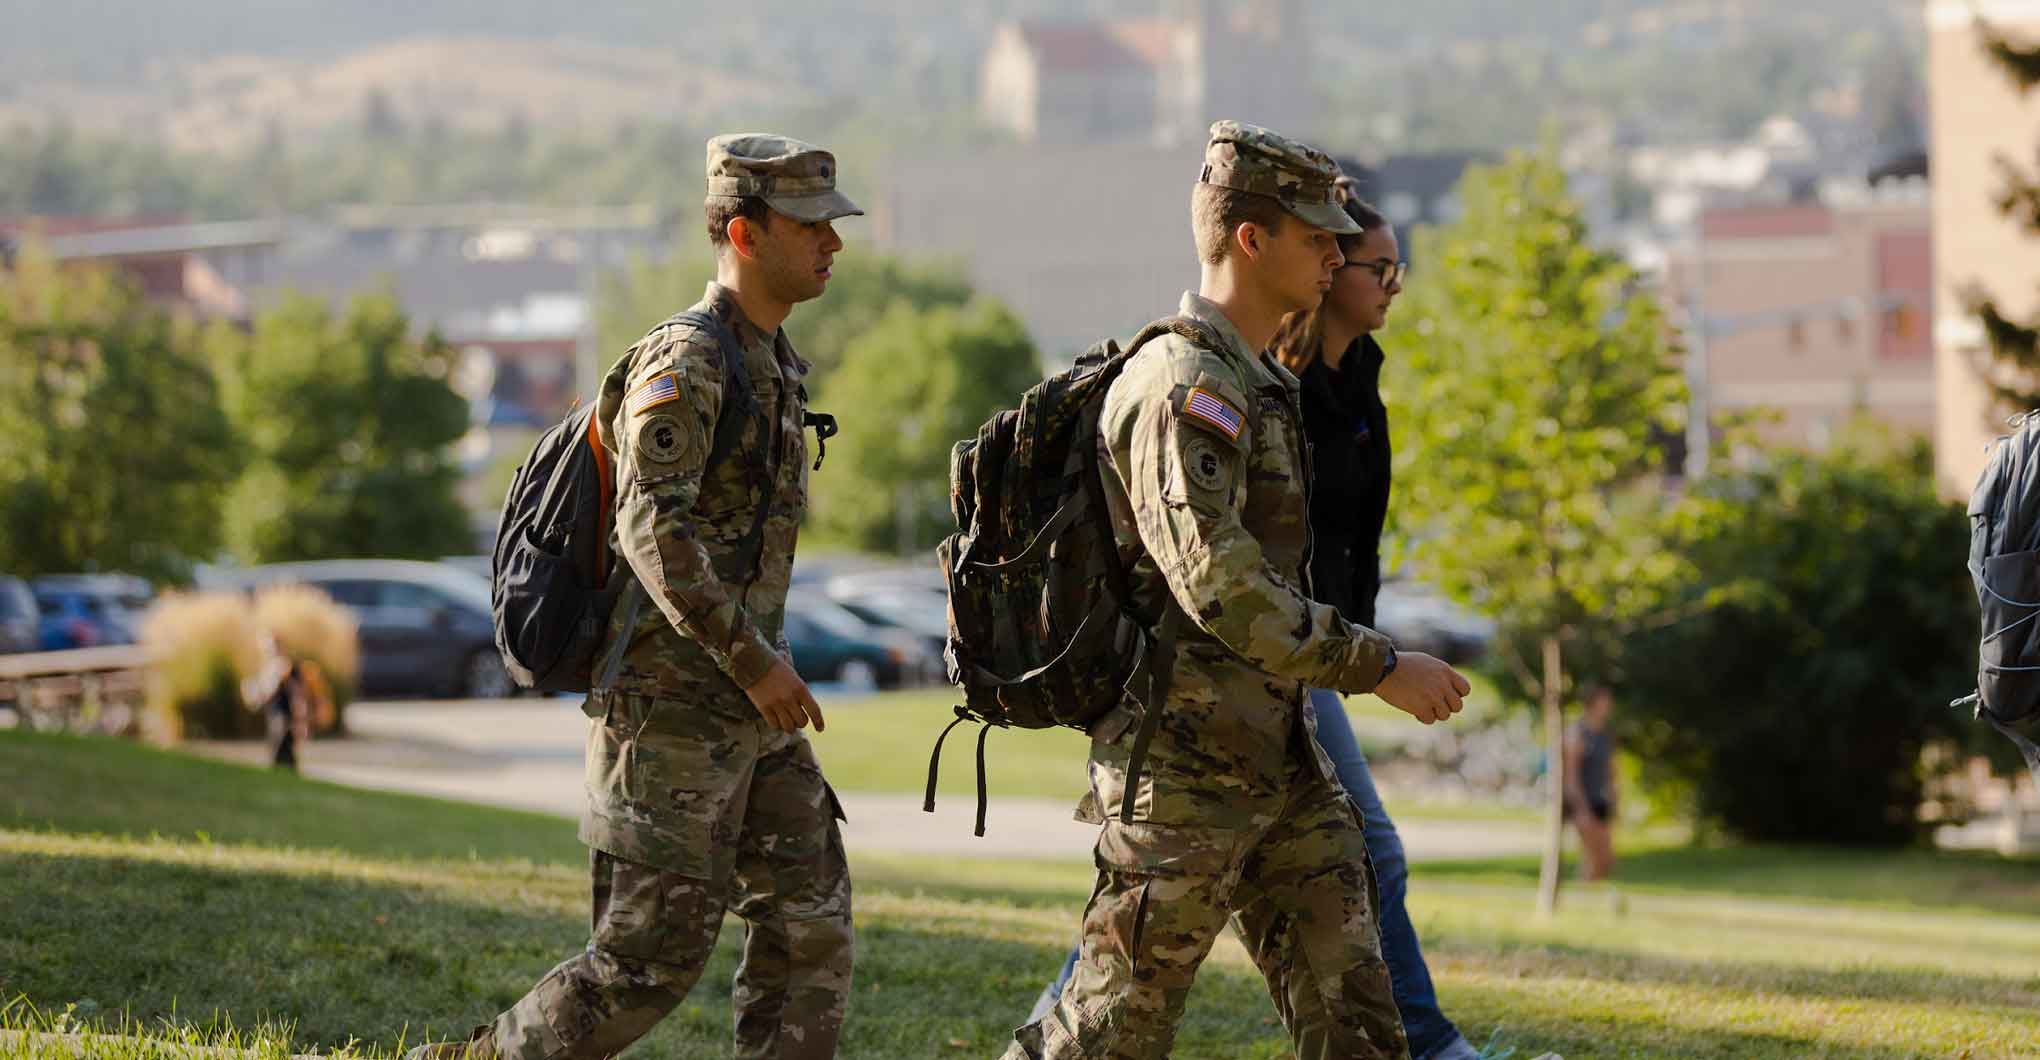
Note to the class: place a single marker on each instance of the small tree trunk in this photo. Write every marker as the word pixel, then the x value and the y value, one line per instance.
pixel 1554 743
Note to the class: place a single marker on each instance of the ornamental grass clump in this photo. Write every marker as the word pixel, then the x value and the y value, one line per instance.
pixel 200 647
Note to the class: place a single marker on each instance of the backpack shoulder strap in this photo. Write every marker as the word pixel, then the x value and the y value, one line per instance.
pixel 1185 327
pixel 1161 661
pixel 736 381
pixel 1202 336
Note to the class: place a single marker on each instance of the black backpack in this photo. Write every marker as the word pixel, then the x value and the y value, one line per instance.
pixel 1042 631
pixel 2004 562
pixel 555 581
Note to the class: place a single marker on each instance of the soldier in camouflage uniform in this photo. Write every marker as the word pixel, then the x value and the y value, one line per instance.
pixel 703 794
pixel 1238 815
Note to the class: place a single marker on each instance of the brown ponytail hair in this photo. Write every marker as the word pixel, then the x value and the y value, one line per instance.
pixel 1300 339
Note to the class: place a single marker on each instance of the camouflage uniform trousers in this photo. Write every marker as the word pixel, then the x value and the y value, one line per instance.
pixel 654 929
pixel 1299 893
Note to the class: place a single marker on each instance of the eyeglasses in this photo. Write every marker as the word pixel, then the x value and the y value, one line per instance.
pixel 1390 273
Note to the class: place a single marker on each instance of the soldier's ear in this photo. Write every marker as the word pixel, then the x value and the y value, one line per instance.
pixel 1247 239
pixel 743 236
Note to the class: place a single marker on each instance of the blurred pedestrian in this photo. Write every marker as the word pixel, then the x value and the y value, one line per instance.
pixel 278 689
pixel 1590 795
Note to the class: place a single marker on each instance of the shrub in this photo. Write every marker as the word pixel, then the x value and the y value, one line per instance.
pixel 1826 622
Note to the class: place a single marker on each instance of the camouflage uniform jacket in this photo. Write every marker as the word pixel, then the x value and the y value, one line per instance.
pixel 1207 475
pixel 715 628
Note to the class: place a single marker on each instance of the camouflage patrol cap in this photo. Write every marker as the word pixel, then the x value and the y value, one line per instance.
pixel 796 179
pixel 1252 159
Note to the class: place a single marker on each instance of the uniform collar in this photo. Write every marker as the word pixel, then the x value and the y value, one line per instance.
pixel 1206 312
pixel 723 303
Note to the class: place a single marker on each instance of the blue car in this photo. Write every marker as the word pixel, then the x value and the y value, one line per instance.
pixel 89 610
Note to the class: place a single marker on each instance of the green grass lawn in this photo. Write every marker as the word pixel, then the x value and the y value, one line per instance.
pixel 140 883
pixel 881 743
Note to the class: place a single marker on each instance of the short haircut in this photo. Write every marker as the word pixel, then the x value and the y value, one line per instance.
pixel 720 210
pixel 1216 213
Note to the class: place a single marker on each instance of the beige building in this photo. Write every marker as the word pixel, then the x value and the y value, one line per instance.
pixel 1812 313
pixel 1978 116
pixel 1157 81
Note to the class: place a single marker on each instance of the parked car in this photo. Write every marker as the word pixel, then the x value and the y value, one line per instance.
pixel 20 619
pixel 478 564
pixel 1422 619
pixel 831 644
pixel 89 610
pixel 915 611
pixel 425 628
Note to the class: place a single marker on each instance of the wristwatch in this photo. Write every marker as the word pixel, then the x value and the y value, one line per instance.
pixel 1387 666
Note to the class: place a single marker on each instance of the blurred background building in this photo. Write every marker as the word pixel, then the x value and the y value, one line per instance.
pixel 1813 312
pixel 1979 120
pixel 1159 80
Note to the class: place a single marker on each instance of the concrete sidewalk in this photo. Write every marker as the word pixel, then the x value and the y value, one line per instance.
pixel 526 754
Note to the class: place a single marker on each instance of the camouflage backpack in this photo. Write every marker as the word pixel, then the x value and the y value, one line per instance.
pixel 1042 631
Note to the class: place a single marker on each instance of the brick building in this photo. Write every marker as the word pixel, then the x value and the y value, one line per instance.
pixel 1815 312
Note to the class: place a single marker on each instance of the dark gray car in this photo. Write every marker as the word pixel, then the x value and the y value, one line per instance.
pixel 426 628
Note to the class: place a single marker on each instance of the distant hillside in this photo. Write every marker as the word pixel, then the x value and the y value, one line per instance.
pixel 473 83
pixel 820 43
pixel 217 75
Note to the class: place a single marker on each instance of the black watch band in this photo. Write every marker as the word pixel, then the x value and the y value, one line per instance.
pixel 1387 666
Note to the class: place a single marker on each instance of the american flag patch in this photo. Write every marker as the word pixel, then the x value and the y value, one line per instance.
pixel 654 392
pixel 1213 411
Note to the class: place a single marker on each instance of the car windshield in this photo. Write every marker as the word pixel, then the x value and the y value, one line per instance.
pixel 465 587
pixel 52 601
pixel 923 612
pixel 830 618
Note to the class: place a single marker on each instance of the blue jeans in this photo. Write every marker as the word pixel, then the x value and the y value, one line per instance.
pixel 1430 1033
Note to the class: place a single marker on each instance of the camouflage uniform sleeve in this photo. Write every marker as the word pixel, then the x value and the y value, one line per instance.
pixel 665 428
pixel 1186 480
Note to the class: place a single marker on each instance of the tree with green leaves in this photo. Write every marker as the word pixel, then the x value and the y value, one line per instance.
pixel 2013 342
pixel 1529 386
pixel 117 449
pixel 350 425
pixel 863 287
pixel 908 388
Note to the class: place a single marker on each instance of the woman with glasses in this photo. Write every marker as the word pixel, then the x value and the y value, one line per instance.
pixel 1331 350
